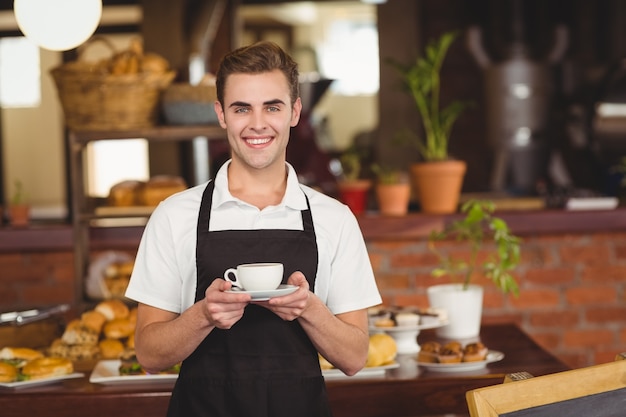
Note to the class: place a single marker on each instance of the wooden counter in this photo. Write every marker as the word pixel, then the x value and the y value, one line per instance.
pixel 403 392
pixel 42 237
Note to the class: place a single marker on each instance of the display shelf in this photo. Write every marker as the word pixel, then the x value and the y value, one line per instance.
pixel 83 213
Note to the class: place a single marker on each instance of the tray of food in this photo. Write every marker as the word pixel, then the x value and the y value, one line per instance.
pixel 22 367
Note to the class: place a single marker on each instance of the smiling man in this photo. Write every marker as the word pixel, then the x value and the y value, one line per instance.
pixel 241 356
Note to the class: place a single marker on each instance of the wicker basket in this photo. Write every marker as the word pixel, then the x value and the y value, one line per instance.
pixel 95 100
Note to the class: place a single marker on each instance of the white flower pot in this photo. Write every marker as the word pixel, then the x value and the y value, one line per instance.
pixel 464 309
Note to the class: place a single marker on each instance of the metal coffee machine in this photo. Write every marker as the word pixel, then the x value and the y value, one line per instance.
pixel 519 95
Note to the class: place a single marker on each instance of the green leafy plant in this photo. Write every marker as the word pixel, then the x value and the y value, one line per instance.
pixel 351 163
pixel 422 78
pixel 479 225
pixel 19 196
pixel 389 175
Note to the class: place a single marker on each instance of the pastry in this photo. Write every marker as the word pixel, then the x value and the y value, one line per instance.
pixel 474 352
pixel 451 352
pixel 77 333
pixel 407 319
pixel 387 322
pixel 47 367
pixel 111 348
pixel 429 352
pixel 118 328
pixel 113 309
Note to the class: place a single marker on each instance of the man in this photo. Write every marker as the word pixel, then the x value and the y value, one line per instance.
pixel 243 357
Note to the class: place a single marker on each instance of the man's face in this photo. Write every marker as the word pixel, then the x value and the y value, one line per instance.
pixel 257 116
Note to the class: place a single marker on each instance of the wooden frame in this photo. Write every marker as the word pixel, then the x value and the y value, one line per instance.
pixel 553 389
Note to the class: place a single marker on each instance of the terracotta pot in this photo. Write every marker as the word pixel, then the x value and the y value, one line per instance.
pixel 438 185
pixel 19 215
pixel 354 194
pixel 393 199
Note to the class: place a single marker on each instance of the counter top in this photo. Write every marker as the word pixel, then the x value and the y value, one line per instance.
pixel 406 391
pixel 41 237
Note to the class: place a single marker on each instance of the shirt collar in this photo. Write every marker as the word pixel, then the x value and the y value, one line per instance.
pixel 294 196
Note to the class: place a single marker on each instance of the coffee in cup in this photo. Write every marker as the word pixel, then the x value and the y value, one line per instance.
pixel 265 276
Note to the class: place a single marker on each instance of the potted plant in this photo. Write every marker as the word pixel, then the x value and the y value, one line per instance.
pixel 438 178
pixel 393 190
pixel 19 209
pixel 462 299
pixel 353 189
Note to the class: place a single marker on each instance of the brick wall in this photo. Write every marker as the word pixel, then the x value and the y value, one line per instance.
pixel 572 290
pixel 572 299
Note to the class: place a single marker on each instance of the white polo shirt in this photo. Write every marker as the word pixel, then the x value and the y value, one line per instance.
pixel 164 275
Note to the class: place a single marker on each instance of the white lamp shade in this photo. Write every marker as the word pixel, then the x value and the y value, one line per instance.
pixel 58 25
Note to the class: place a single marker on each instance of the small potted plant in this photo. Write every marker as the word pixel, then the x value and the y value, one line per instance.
pixel 438 178
pixel 19 209
pixel 393 190
pixel 478 226
pixel 353 189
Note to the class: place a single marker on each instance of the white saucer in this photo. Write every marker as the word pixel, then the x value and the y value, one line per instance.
pixel 266 295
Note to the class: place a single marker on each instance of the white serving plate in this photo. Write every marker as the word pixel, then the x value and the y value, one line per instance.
pixel 492 356
pixel 398 329
pixel 374 371
pixel 107 372
pixel 39 382
pixel 406 336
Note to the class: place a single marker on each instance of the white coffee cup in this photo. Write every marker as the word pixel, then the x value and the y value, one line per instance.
pixel 256 277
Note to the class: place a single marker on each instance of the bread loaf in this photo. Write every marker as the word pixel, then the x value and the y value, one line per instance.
pixel 125 193
pixel 159 188
pixel 382 350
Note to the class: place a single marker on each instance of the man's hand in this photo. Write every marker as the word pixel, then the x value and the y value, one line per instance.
pixel 223 309
pixel 291 306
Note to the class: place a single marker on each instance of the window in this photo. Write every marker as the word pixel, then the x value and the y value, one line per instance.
pixel 20 84
pixel 114 161
pixel 350 56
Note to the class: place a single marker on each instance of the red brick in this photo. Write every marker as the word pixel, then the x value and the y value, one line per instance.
pixel 498 317
pixel 493 300
pixel 547 340
pixel 584 254
pixel 604 273
pixel 413 260
pixel 550 276
pixel 393 281
pixel 426 280
pixel 620 252
pixel 536 298
pixel 574 338
pixel 411 300
pixel 536 256
pixel 567 318
pixel 607 314
pixel 590 295
pixel 606 356
pixel 574 360
pixel 376 259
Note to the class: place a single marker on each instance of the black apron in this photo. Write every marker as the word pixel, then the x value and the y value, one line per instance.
pixel 263 366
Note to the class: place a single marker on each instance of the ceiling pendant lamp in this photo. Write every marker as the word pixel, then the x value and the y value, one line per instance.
pixel 58 25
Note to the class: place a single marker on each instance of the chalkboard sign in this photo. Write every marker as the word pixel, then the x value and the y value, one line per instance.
pixel 605 404
pixel 595 391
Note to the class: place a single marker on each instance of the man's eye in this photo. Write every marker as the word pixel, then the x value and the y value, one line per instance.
pixel 273 108
pixel 241 110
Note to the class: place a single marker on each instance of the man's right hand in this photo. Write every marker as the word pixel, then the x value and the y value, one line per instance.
pixel 223 309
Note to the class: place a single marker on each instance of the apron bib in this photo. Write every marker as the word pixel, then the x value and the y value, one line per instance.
pixel 263 366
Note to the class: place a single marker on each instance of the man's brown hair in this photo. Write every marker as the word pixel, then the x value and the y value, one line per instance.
pixel 258 58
